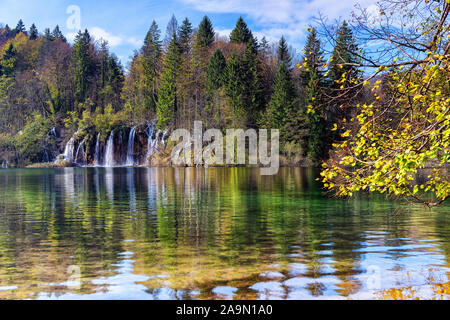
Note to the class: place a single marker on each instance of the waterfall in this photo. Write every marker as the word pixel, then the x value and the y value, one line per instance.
pixel 5 165
pixel 97 152
pixel 45 157
pixel 121 143
pixel 154 138
pixel 80 147
pixel 155 141
pixel 151 130
pixel 52 133
pixel 69 150
pixel 109 153
pixel 130 150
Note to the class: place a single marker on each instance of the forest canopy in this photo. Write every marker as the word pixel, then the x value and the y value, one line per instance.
pixel 190 74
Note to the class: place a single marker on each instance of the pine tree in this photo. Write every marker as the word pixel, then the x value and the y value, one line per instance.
pixel 241 33
pixel 263 44
pixel 153 36
pixel 234 85
pixel 313 59
pixel 205 33
pixel 167 99
pixel 82 65
pixel 116 75
pixel 215 80
pixel 184 35
pixel 111 78
pixel 318 136
pixel 33 34
pixel 104 56
pixel 20 27
pixel 5 32
pixel 8 61
pixel 342 74
pixel 113 82
pixel 297 129
pixel 198 66
pixel 282 102
pixel 151 54
pixel 57 34
pixel 312 78
pixel 283 53
pixel 185 89
pixel 283 112
pixel 253 99
pixel 215 72
pixel 48 34
pixel 343 56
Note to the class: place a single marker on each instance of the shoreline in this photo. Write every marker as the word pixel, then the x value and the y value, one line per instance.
pixel 57 166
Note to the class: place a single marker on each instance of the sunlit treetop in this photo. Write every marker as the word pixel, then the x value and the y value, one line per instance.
pixel 398 142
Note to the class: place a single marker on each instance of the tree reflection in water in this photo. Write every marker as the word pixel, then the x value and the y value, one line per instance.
pixel 215 233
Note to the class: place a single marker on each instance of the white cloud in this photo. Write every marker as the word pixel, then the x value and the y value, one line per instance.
pixel 99 33
pixel 271 35
pixel 275 18
pixel 274 10
pixel 221 33
pixel 373 13
pixel 71 36
pixel 113 40
pixel 135 42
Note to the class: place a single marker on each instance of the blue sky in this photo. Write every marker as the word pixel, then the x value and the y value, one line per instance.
pixel 125 23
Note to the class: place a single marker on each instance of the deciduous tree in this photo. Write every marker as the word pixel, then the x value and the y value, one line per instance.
pixel 395 138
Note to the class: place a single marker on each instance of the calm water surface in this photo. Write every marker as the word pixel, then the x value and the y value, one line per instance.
pixel 218 233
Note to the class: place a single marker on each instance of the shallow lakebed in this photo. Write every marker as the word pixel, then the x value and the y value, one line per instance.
pixel 217 233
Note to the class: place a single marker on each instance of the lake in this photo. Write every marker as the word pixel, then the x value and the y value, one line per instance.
pixel 216 233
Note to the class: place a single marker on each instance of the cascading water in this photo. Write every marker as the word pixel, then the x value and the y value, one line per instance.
pixel 155 141
pixel 109 153
pixel 97 152
pixel 69 150
pixel 47 153
pixel 80 148
pixel 150 132
pixel 130 150
pixel 52 133
pixel 45 157
pixel 5 165
pixel 121 143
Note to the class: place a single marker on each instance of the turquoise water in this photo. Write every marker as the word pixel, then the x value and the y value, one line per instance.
pixel 217 233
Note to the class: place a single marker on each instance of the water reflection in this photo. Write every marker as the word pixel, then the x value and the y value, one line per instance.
pixel 216 233
pixel 123 284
